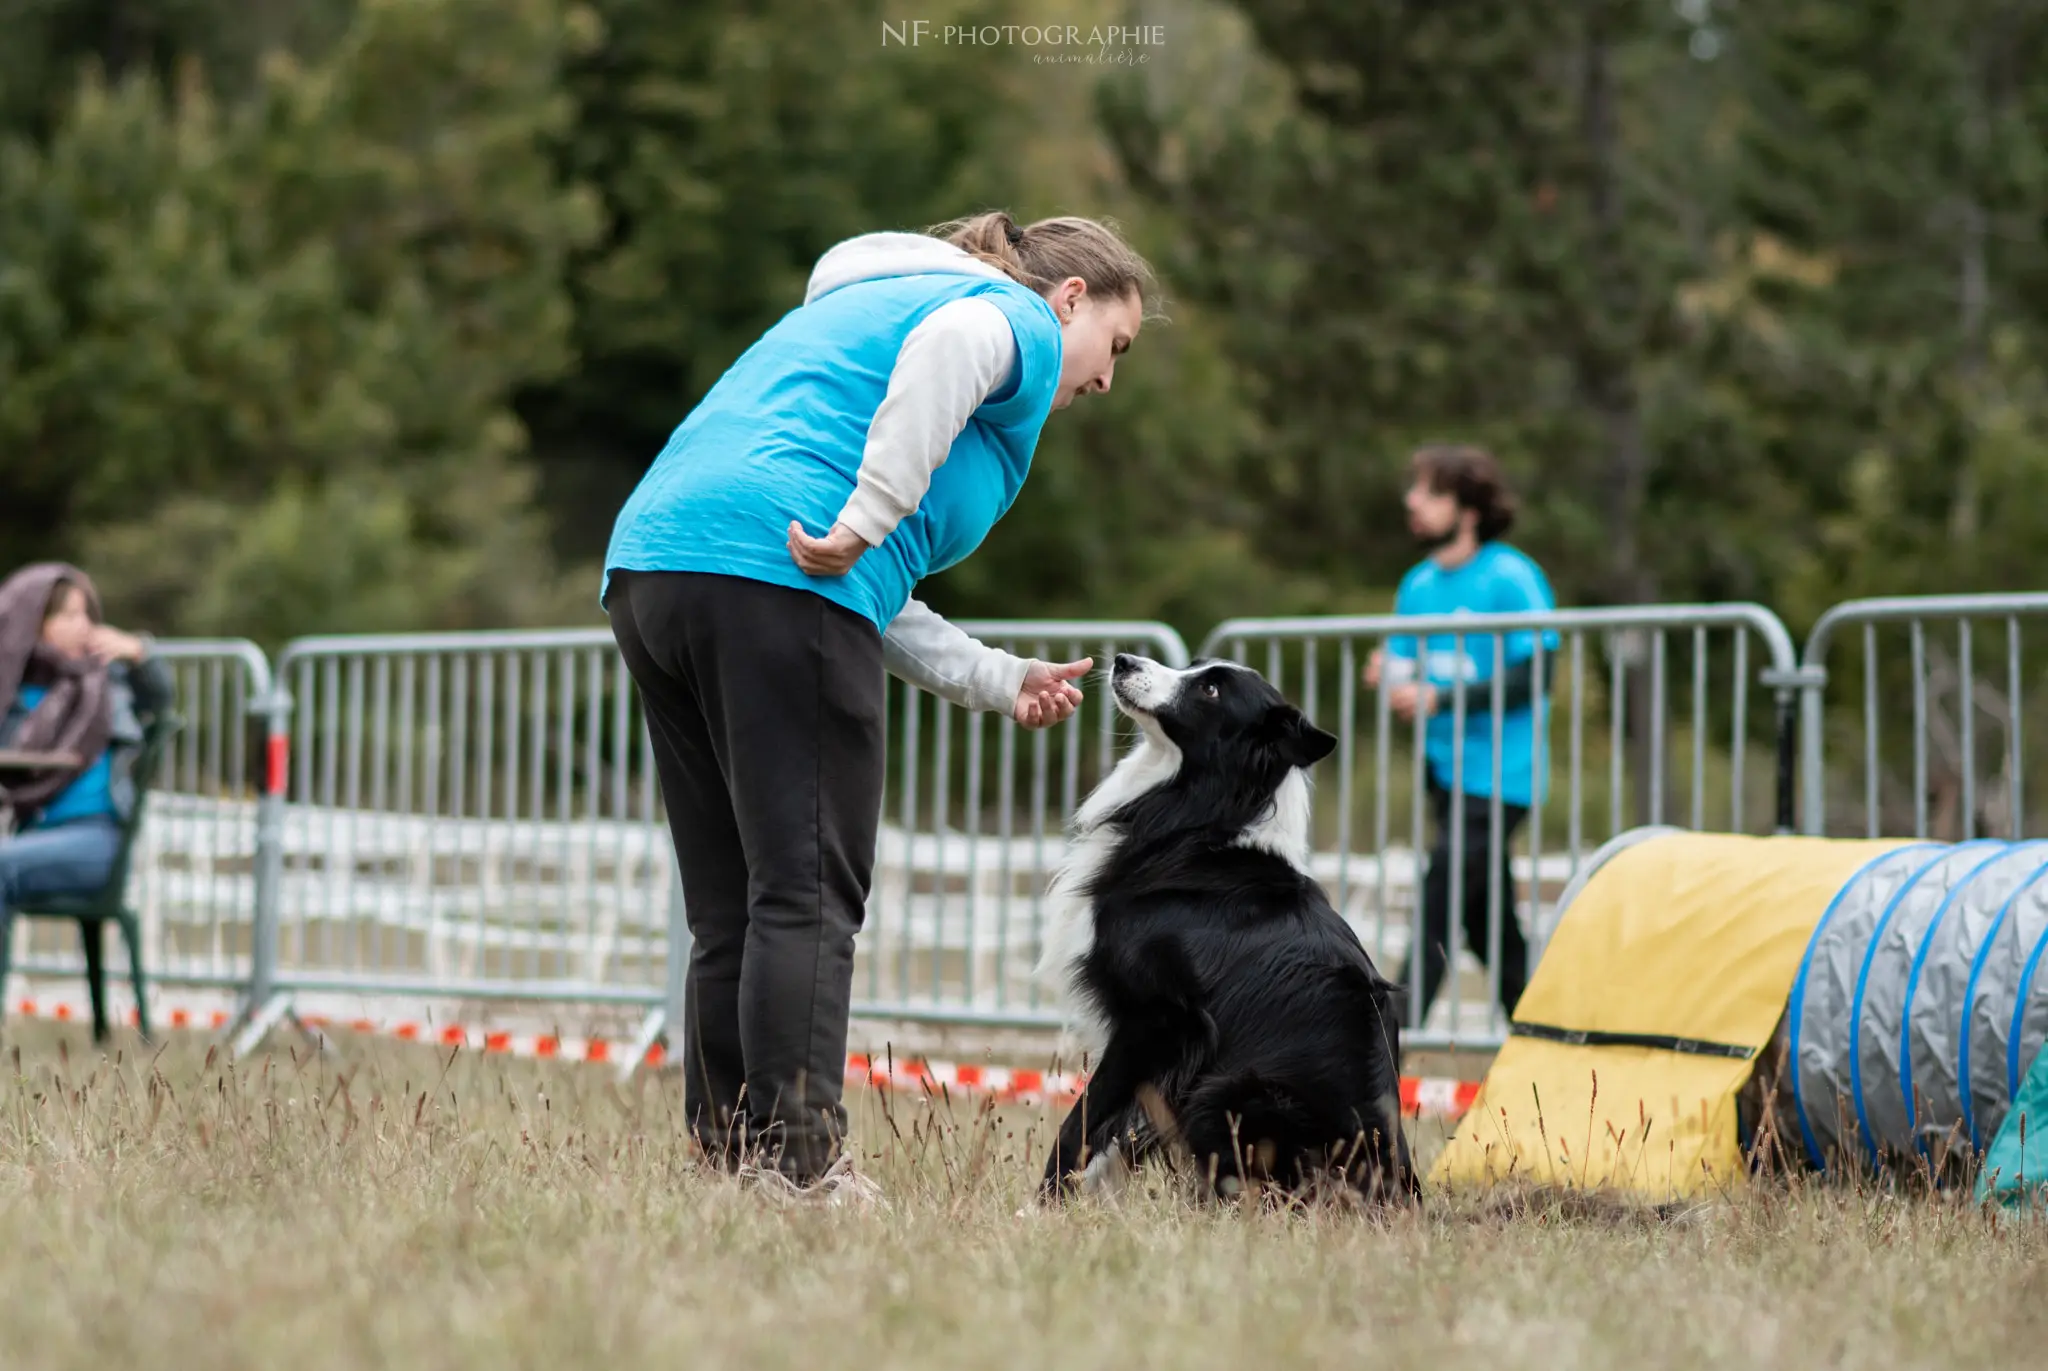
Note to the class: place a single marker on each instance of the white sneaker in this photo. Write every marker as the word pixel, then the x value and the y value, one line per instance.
pixel 840 1185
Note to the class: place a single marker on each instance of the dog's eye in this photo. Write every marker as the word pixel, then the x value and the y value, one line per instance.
pixel 1209 690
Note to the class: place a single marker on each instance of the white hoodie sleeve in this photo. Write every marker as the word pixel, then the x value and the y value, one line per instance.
pixel 956 357
pixel 932 654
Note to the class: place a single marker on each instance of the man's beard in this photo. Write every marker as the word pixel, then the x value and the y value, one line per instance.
pixel 1436 541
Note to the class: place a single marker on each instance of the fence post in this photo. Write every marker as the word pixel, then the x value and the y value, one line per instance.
pixel 664 1024
pixel 1813 703
pixel 1798 699
pixel 1788 768
pixel 277 755
pixel 264 1006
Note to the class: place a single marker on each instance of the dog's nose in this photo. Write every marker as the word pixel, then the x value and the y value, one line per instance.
pixel 1126 662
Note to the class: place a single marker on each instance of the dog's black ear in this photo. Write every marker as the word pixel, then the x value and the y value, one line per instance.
pixel 1300 742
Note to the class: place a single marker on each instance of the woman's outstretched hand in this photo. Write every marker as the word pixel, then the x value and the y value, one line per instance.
pixel 1049 695
pixel 832 555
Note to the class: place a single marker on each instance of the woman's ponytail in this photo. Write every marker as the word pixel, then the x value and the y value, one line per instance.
pixel 1042 254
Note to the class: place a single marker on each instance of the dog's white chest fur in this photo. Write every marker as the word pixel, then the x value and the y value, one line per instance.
pixel 1070 914
pixel 1070 927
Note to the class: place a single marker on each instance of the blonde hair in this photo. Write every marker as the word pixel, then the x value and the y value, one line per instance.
pixel 1043 254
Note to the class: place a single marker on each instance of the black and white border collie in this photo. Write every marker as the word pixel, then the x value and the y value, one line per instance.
pixel 1235 1020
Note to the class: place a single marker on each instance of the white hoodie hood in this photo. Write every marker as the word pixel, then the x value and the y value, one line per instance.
pixel 873 256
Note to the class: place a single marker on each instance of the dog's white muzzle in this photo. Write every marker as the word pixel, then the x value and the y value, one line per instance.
pixel 1142 686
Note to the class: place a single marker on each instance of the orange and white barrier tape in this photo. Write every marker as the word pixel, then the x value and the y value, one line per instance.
pixel 64 1012
pixel 1434 1096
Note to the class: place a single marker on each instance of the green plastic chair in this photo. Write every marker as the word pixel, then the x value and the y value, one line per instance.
pixel 110 902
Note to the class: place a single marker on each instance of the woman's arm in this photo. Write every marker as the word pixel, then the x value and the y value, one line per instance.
pixel 924 649
pixel 957 356
pixel 149 678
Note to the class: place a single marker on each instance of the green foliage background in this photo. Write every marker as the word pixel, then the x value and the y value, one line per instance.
pixel 366 314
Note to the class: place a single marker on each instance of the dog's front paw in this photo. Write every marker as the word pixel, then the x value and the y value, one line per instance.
pixel 1060 1182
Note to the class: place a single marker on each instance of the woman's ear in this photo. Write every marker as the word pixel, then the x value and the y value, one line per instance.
pixel 1066 297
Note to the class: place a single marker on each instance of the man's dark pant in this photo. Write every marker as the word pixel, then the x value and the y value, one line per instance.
pixel 1474 814
pixel 765 706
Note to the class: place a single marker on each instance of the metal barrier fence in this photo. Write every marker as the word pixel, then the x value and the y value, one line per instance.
pixel 1966 732
pixel 1666 686
pixel 470 817
pixel 474 816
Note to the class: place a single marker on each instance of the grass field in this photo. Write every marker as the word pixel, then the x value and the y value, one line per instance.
pixel 386 1206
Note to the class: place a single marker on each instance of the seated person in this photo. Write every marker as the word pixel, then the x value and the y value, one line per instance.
pixel 69 684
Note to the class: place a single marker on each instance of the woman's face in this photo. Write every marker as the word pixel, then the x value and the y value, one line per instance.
pixel 68 629
pixel 1094 332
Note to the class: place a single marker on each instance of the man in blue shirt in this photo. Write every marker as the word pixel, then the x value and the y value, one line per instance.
pixel 1459 509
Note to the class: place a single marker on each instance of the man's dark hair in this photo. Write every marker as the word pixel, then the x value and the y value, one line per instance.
pixel 1472 476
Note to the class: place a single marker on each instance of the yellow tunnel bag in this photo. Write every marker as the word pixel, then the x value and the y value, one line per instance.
pixel 1685 947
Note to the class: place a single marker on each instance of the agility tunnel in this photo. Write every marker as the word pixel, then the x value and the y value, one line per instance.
pixel 1875 1001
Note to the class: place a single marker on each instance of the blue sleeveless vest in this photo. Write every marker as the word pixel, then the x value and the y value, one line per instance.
pixel 780 437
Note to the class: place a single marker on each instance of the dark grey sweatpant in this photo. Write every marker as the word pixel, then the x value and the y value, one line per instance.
pixel 765 706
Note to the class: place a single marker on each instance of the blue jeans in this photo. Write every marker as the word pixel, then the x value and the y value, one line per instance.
pixel 71 859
